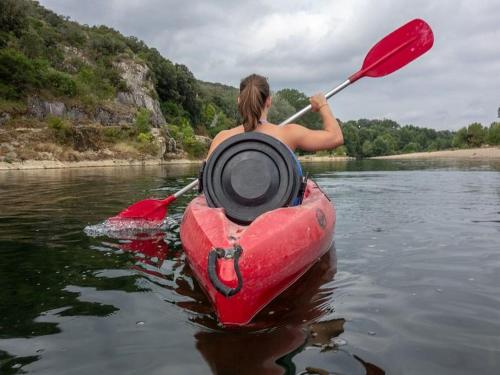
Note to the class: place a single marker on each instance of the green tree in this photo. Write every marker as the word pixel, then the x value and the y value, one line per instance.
pixel 351 139
pixel 460 138
pixel 476 135
pixel 494 133
pixel 188 89
pixel 299 100
pixel 411 147
pixel 280 110
pixel 367 149
pixel 383 145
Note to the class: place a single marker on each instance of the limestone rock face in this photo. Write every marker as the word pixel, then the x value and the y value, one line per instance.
pixel 121 111
pixel 40 108
pixel 113 115
pixel 141 92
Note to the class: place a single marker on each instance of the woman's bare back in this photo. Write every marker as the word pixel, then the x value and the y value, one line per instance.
pixel 294 135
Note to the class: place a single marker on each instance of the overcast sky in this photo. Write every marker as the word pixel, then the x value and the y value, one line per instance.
pixel 315 45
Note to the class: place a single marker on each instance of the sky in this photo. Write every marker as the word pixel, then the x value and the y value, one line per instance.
pixel 315 45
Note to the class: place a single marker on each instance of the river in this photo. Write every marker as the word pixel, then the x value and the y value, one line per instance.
pixel 411 285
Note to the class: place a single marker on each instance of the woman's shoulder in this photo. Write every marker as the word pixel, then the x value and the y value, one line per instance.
pixel 229 132
pixel 223 135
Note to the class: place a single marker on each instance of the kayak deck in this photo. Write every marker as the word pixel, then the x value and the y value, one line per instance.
pixel 276 249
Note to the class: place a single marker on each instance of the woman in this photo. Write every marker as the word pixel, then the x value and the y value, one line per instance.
pixel 254 102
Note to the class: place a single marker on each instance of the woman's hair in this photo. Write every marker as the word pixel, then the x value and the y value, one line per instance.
pixel 254 90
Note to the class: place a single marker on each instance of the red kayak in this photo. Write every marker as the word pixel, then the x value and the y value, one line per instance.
pixel 242 268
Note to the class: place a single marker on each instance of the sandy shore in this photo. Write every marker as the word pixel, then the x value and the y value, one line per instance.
pixel 314 159
pixel 471 153
pixel 53 164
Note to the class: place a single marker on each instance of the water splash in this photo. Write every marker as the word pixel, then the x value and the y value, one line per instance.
pixel 128 228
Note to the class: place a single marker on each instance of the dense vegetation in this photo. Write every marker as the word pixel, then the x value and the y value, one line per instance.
pixel 44 54
pixel 48 55
pixel 476 135
pixel 366 138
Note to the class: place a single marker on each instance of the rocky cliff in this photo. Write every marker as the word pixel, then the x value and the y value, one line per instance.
pixel 68 89
pixel 122 110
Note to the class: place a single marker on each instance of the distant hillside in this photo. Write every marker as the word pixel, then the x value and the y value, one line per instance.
pixel 58 74
pixel 47 55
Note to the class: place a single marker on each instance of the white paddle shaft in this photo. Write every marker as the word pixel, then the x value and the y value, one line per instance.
pixel 192 185
pixel 328 95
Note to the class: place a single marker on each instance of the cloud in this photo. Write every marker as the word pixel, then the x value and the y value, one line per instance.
pixel 315 45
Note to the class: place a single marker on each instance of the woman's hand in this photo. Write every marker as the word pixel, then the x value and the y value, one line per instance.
pixel 317 101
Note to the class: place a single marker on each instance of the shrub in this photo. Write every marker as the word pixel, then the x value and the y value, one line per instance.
pixel 147 145
pixel 62 129
pixel 74 35
pixel 12 106
pixel 17 74
pixel 115 134
pixel 145 138
pixel 61 84
pixel 183 134
pixel 107 45
pixel 340 151
pixel 323 153
pixel 194 148
pixel 94 84
pixel 143 121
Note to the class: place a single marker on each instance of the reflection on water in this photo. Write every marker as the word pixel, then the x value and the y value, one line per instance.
pixel 411 286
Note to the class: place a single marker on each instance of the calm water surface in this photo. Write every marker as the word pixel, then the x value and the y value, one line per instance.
pixel 411 287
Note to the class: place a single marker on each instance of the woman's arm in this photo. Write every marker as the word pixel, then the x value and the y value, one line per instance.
pixel 315 140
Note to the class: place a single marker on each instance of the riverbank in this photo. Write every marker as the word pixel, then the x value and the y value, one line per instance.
pixel 471 153
pixel 315 159
pixel 54 164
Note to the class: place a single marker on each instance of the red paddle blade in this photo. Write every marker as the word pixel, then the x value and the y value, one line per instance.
pixel 148 209
pixel 397 49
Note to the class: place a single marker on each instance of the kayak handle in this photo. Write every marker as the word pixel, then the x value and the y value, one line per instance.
pixel 217 253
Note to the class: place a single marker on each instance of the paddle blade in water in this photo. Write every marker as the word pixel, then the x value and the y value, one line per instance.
pixel 148 209
pixel 397 49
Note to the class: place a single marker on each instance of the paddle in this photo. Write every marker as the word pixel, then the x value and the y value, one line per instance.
pixel 397 49
pixel 152 209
